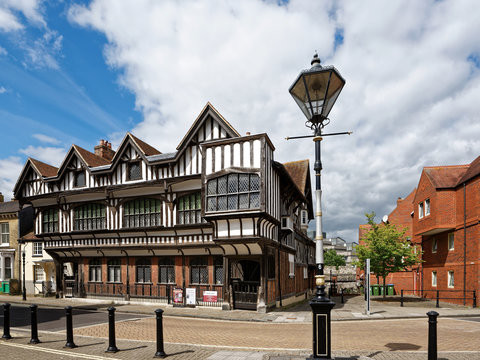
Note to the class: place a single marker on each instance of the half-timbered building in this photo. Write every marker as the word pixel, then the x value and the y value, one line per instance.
pixel 217 222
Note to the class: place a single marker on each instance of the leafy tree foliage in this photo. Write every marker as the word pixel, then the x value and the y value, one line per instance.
pixel 387 248
pixel 331 258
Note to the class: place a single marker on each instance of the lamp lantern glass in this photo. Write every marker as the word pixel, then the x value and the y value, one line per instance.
pixel 316 89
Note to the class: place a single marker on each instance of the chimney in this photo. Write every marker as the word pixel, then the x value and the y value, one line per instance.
pixel 1 198
pixel 104 149
pixel 248 133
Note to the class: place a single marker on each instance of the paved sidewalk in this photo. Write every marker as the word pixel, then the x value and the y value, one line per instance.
pixel 352 309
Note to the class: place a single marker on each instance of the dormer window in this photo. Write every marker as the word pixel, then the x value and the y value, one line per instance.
pixel 79 179
pixel 233 192
pixel 134 170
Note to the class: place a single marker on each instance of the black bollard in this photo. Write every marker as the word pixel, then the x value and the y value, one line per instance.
pixel 160 350
pixel 432 335
pixel 438 299
pixel 474 299
pixel 111 331
pixel 68 315
pixel 6 321
pixel 341 294
pixel 33 321
pixel 401 298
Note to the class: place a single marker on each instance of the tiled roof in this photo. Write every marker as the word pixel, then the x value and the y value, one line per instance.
pixel 298 171
pixel 445 176
pixel 30 236
pixel 473 170
pixel 44 169
pixel 147 149
pixel 90 158
pixel 9 207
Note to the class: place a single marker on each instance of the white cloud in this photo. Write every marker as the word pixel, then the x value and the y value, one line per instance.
pixel 3 51
pixel 46 139
pixel 48 154
pixel 10 169
pixel 411 96
pixel 2 90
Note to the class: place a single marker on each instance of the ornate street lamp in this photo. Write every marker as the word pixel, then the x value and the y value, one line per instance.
pixel 315 90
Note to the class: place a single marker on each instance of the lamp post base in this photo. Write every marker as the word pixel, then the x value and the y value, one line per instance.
pixel 321 308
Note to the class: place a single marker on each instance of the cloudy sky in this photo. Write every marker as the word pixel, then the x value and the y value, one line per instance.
pixel 81 71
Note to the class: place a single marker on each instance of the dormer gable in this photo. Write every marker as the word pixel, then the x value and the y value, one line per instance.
pixel 33 171
pixel 132 148
pixel 78 158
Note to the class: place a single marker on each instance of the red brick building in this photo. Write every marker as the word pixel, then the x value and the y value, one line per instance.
pixel 442 217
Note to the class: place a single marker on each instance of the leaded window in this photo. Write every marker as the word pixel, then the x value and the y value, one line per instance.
pixel 134 170
pixel 199 270
pixel 166 270
pixel 218 269
pixel 114 270
pixel 142 213
pixel 5 230
pixel 50 221
pixel 89 217
pixel 233 192
pixel 143 273
pixel 189 209
pixel 79 179
pixel 95 270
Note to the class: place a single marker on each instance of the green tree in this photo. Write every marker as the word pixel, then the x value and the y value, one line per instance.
pixel 331 258
pixel 387 248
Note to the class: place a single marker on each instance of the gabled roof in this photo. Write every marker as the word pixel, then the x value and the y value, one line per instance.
pixel 144 147
pixel 473 170
pixel 299 172
pixel 445 176
pixel 43 169
pixel 9 207
pixel 90 159
pixel 208 109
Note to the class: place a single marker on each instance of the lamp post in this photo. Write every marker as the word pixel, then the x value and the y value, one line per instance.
pixel 24 289
pixel 315 90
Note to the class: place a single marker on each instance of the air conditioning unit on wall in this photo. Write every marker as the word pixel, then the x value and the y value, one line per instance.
pixel 287 223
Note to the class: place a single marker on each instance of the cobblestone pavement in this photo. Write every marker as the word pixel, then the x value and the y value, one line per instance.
pixel 380 335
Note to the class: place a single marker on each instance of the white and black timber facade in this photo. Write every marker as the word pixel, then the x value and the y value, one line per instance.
pixel 219 215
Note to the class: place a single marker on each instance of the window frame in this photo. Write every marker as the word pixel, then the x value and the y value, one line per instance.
pixel 217 200
pixel 434 278
pixel 197 264
pixel 166 268
pixel 421 210
pixel 76 177
pixel 36 278
pixel 130 164
pixel 4 234
pixel 434 245
pixel 95 270
pixel 451 241
pixel 114 264
pixel 217 267
pixel 427 207
pixel 136 216
pixel 50 220
pixel 92 217
pixel 37 249
pixel 184 213
pixel 451 279
pixel 143 264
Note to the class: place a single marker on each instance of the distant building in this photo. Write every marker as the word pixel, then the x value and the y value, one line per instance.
pixel 347 250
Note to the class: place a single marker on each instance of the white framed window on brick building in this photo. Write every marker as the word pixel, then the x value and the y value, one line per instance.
pixel 451 279
pixel 37 248
pixel 451 241
pixel 427 207
pixel 420 210
pixel 38 273
pixel 434 278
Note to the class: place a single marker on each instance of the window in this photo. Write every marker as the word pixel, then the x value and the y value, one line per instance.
pixel 5 231
pixel 38 273
pixel 143 273
pixel 95 271
pixel 420 210
pixel 199 270
pixel 451 280
pixel 166 270
pixel 79 179
pixel 434 244
pixel 37 248
pixel 134 170
pixel 8 267
pixel 189 209
pixel 451 241
pixel 218 269
pixel 305 272
pixel 427 207
pixel 142 213
pixel 89 217
pixel 434 278
pixel 50 221
pixel 304 218
pixel 291 263
pixel 114 271
pixel 233 192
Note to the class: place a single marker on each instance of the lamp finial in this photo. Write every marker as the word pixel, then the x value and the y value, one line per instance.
pixel 316 60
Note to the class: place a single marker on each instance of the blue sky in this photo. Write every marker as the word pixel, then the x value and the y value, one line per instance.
pixel 81 71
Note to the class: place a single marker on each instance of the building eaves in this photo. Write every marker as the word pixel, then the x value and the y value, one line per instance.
pixel 473 171
pixel 443 177
pixel 144 147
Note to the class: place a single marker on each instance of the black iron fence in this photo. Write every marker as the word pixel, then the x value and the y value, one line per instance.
pixel 463 297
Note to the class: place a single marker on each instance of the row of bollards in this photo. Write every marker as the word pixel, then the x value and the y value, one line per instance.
pixel 112 348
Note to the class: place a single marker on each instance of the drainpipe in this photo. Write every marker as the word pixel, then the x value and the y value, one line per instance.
pixel 464 243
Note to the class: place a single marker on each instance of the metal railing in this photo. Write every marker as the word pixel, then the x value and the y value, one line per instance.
pixel 438 295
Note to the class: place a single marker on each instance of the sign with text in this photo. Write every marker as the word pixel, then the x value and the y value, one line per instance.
pixel 178 296
pixel 210 296
pixel 190 296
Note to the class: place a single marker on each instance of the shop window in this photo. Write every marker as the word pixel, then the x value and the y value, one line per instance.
pixel 89 217
pixel 233 192
pixel 114 270
pixel 142 213
pixel 95 270
pixel 199 270
pixel 5 233
pixel 50 221
pixel 166 270
pixel 143 271
pixel 189 209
